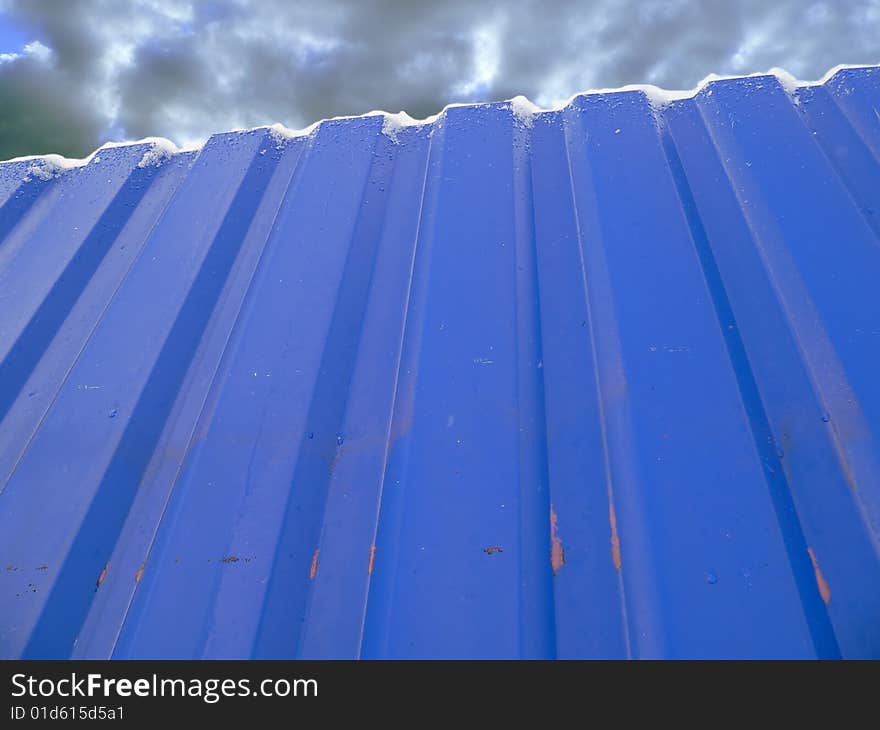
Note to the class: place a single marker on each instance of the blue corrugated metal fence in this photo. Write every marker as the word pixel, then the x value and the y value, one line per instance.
pixel 598 382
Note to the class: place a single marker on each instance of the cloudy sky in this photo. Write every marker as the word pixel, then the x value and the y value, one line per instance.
pixel 77 73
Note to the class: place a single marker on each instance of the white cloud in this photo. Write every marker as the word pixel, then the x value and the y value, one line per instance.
pixel 34 50
pixel 485 62
pixel 38 51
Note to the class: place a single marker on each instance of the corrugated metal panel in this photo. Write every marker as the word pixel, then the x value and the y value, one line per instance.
pixel 604 384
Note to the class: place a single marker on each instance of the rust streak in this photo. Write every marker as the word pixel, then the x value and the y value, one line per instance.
pixel 557 552
pixel 139 574
pixel 372 560
pixel 313 570
pixel 824 588
pixel 335 460
pixel 615 540
pixel 102 576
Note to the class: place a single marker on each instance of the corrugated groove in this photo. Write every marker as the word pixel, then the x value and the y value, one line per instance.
pixel 537 620
pixel 325 443
pixel 373 635
pixel 845 150
pixel 131 556
pixel 36 399
pixel 348 551
pixel 62 617
pixel 16 206
pixel 605 355
pixel 824 392
pixel 31 344
pixel 796 546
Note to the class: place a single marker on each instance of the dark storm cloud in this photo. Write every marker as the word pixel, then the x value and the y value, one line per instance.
pixel 42 109
pixel 108 68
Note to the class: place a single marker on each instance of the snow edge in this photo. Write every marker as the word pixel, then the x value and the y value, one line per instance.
pixel 46 167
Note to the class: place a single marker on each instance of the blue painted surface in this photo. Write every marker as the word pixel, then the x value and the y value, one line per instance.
pixel 602 384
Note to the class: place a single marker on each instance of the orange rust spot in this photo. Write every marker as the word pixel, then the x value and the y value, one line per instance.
pixel 402 421
pixel 335 460
pixel 139 574
pixel 372 559
pixel 824 588
pixel 102 576
pixel 615 540
pixel 313 570
pixel 557 552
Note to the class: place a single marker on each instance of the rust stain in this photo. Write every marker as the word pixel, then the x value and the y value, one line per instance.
pixel 102 576
pixel 403 416
pixel 139 574
pixel 335 460
pixel 494 549
pixel 313 570
pixel 847 474
pixel 824 588
pixel 615 540
pixel 840 453
pixel 557 552
pixel 372 560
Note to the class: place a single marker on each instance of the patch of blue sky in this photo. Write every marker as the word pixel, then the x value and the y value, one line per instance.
pixel 13 34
